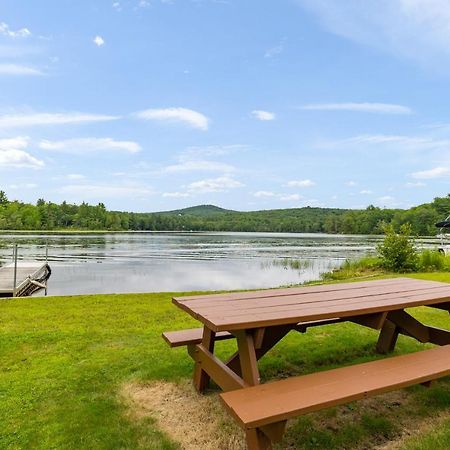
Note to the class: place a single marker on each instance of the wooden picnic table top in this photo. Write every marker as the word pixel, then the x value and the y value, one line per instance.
pixel 257 309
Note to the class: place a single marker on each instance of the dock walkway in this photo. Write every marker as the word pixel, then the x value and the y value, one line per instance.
pixel 31 276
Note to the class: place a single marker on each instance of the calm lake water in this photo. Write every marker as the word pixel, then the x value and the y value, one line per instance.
pixel 156 262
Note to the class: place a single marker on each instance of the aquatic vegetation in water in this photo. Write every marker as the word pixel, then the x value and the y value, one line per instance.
pixel 288 263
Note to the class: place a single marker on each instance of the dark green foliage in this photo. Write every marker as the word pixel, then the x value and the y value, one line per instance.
pixel 200 211
pixel 15 215
pixel 3 198
pixel 397 251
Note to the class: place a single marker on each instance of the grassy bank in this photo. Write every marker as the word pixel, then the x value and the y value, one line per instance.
pixel 63 361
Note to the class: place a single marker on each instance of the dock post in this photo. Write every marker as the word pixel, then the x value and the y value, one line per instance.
pixel 15 270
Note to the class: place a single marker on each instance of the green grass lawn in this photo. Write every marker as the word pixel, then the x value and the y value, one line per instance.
pixel 64 359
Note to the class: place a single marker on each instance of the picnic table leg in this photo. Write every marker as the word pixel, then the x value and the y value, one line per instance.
pixel 270 338
pixel 201 378
pixel 247 357
pixel 257 440
pixel 388 337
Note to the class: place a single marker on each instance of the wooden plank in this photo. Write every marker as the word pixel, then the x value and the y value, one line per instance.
pixel 374 321
pixel 356 302
pixel 444 306
pixel 191 337
pixel 257 440
pixel 271 337
pixel 201 377
pixel 236 311
pixel 222 375
pixel 257 406
pixel 438 336
pixel 237 306
pixel 341 309
pixel 24 270
pixel 388 338
pixel 409 325
pixel 302 327
pixel 258 337
pixel 300 290
pixel 247 357
pixel 274 431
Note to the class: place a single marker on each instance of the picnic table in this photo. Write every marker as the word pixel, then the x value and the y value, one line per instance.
pixel 258 320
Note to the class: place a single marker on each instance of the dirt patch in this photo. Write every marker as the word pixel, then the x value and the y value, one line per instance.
pixel 194 421
pixel 415 430
pixel 200 421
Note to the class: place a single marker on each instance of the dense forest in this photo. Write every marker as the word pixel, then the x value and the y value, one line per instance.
pixel 16 215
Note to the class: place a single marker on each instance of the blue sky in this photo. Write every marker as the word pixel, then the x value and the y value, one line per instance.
pixel 246 104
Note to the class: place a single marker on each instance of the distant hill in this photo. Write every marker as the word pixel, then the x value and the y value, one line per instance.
pixel 199 211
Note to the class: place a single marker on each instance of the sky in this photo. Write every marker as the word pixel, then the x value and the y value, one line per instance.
pixel 245 104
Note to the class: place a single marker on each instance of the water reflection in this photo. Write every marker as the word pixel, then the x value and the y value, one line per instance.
pixel 145 262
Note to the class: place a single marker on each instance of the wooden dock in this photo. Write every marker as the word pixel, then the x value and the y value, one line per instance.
pixel 30 277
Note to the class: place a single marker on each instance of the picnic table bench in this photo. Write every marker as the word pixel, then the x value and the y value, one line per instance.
pixel 258 320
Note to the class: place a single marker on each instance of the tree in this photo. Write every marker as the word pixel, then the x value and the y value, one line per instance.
pixel 3 198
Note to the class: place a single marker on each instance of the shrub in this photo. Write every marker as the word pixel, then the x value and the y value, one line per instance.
pixel 432 260
pixel 397 251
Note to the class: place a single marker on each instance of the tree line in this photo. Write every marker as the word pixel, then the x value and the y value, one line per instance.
pixel 44 215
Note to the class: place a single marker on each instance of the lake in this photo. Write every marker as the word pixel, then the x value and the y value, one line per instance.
pixel 88 263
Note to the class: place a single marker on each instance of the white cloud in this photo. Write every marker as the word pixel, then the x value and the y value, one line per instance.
pixel 291 197
pixel 300 183
pixel 193 160
pixel 383 108
pixel 437 172
pixel 14 50
pixel 415 29
pixel 264 194
pixel 98 41
pixel 75 176
pixel 22 186
pixel 13 154
pixel 117 6
pixel 274 51
pixel 263 115
pixel 175 194
pixel 212 150
pixel 100 191
pixel 35 119
pixel 399 143
pixel 404 141
pixel 143 4
pixel 18 69
pixel 351 183
pixel 5 30
pixel 221 184
pixel 387 201
pixel 365 192
pixel 418 184
pixel 199 166
pixel 90 145
pixel 190 117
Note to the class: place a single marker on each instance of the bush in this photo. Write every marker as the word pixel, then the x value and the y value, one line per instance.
pixel 397 251
pixel 432 260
